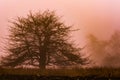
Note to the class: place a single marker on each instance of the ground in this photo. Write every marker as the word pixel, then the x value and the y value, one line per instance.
pixel 60 74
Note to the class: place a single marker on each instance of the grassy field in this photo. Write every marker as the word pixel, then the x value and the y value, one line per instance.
pixel 100 72
pixel 71 73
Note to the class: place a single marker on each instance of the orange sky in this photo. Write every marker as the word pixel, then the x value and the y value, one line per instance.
pixel 100 17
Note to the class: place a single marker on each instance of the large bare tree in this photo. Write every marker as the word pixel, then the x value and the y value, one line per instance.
pixel 40 39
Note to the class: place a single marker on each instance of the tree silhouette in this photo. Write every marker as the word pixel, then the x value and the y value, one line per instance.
pixel 113 50
pixel 105 53
pixel 97 50
pixel 40 39
pixel 114 42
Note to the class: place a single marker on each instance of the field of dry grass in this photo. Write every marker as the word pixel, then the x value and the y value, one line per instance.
pixel 60 74
pixel 98 72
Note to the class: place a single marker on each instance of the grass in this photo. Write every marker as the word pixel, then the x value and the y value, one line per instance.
pixel 86 72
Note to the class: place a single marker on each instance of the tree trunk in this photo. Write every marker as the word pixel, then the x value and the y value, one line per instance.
pixel 42 62
pixel 43 54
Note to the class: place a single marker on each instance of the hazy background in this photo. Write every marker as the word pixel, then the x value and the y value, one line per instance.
pixel 99 17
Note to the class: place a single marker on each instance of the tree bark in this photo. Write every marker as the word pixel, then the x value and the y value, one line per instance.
pixel 42 62
pixel 43 54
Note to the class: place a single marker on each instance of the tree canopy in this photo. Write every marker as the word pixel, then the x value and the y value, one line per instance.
pixel 41 39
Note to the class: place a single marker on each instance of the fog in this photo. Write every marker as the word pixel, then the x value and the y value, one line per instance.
pixel 98 17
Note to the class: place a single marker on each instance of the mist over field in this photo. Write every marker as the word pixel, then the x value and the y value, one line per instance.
pixel 97 17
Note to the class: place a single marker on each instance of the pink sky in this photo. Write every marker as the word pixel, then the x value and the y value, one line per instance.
pixel 100 17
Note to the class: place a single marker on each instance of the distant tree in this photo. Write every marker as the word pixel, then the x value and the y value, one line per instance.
pixel 97 50
pixel 113 50
pixel 114 42
pixel 105 53
pixel 39 40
